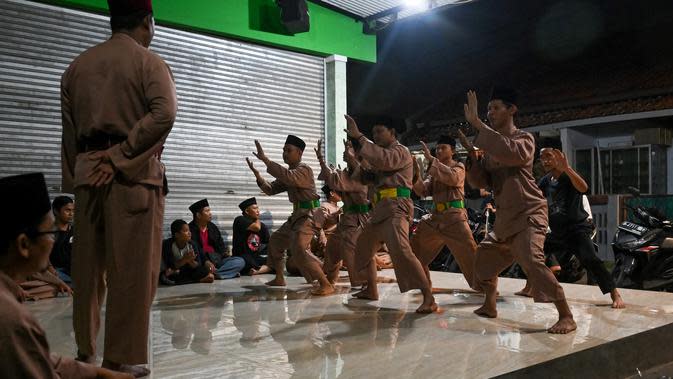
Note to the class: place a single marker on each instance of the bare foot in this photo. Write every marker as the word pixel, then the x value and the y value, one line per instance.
pixel 617 301
pixel 425 308
pixel 367 293
pixel 136 371
pixel 208 279
pixel 526 292
pixel 323 291
pixel 563 326
pixel 385 279
pixel 262 270
pixel 276 282
pixel 486 311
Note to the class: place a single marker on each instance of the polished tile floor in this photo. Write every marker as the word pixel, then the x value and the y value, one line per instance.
pixel 240 328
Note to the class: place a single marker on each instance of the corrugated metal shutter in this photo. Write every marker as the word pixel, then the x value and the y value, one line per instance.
pixel 229 93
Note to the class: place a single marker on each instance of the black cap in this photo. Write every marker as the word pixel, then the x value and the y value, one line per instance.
pixel 326 190
pixel 388 122
pixel 446 140
pixel 199 205
pixel 246 203
pixel 295 141
pixel 506 95
pixel 27 202
pixel 120 8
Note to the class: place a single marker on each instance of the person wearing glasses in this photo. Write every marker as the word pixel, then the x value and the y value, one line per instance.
pixel 25 245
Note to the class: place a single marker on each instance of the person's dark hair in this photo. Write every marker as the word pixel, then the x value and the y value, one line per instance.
pixel 549 143
pixel 390 127
pixel 176 226
pixel 128 22
pixel 31 232
pixel 60 202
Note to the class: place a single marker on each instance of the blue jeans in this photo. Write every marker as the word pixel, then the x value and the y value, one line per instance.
pixel 230 267
pixel 63 276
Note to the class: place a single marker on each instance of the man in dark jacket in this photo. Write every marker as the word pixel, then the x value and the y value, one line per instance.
pixel 251 237
pixel 208 238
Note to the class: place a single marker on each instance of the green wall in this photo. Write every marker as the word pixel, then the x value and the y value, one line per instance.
pixel 257 21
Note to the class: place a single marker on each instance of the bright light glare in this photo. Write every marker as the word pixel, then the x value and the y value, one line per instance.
pixel 416 4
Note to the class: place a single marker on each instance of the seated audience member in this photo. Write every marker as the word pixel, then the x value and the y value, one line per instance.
pixel 208 238
pixel 25 244
pixel 184 261
pixel 48 284
pixel 250 239
pixel 64 213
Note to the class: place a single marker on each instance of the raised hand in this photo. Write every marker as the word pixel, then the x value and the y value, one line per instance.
pixel 352 128
pixel 318 152
pixel 471 110
pixel 252 167
pixel 463 141
pixel 349 153
pixel 560 160
pixel 426 152
pixel 417 171
pixel 260 152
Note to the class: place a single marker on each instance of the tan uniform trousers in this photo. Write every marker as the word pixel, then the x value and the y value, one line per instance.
pixel 524 248
pixel 394 232
pixel 296 235
pixel 117 246
pixel 449 228
pixel 341 248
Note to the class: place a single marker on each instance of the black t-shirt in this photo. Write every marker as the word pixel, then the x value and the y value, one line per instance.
pixel 564 201
pixel 246 241
pixel 62 250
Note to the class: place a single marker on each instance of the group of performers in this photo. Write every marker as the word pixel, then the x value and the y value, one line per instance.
pixel 376 188
pixel 119 104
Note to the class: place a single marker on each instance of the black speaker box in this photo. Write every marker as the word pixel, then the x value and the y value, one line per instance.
pixel 294 15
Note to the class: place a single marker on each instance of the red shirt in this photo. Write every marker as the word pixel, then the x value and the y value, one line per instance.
pixel 204 241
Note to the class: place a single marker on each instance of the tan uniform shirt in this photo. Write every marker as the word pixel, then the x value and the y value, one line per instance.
pixel 392 167
pixel 507 169
pixel 24 351
pixel 444 183
pixel 352 191
pixel 298 181
pixel 128 92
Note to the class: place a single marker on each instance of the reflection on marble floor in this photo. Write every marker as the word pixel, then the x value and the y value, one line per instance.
pixel 242 329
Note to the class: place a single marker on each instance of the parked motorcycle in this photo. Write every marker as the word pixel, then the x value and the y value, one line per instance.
pixel 643 250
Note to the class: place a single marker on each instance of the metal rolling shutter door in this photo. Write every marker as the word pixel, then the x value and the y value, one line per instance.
pixel 229 93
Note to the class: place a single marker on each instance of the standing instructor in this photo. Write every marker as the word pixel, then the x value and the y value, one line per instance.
pixel 118 105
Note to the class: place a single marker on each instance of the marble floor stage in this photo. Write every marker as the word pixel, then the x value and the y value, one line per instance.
pixel 240 328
